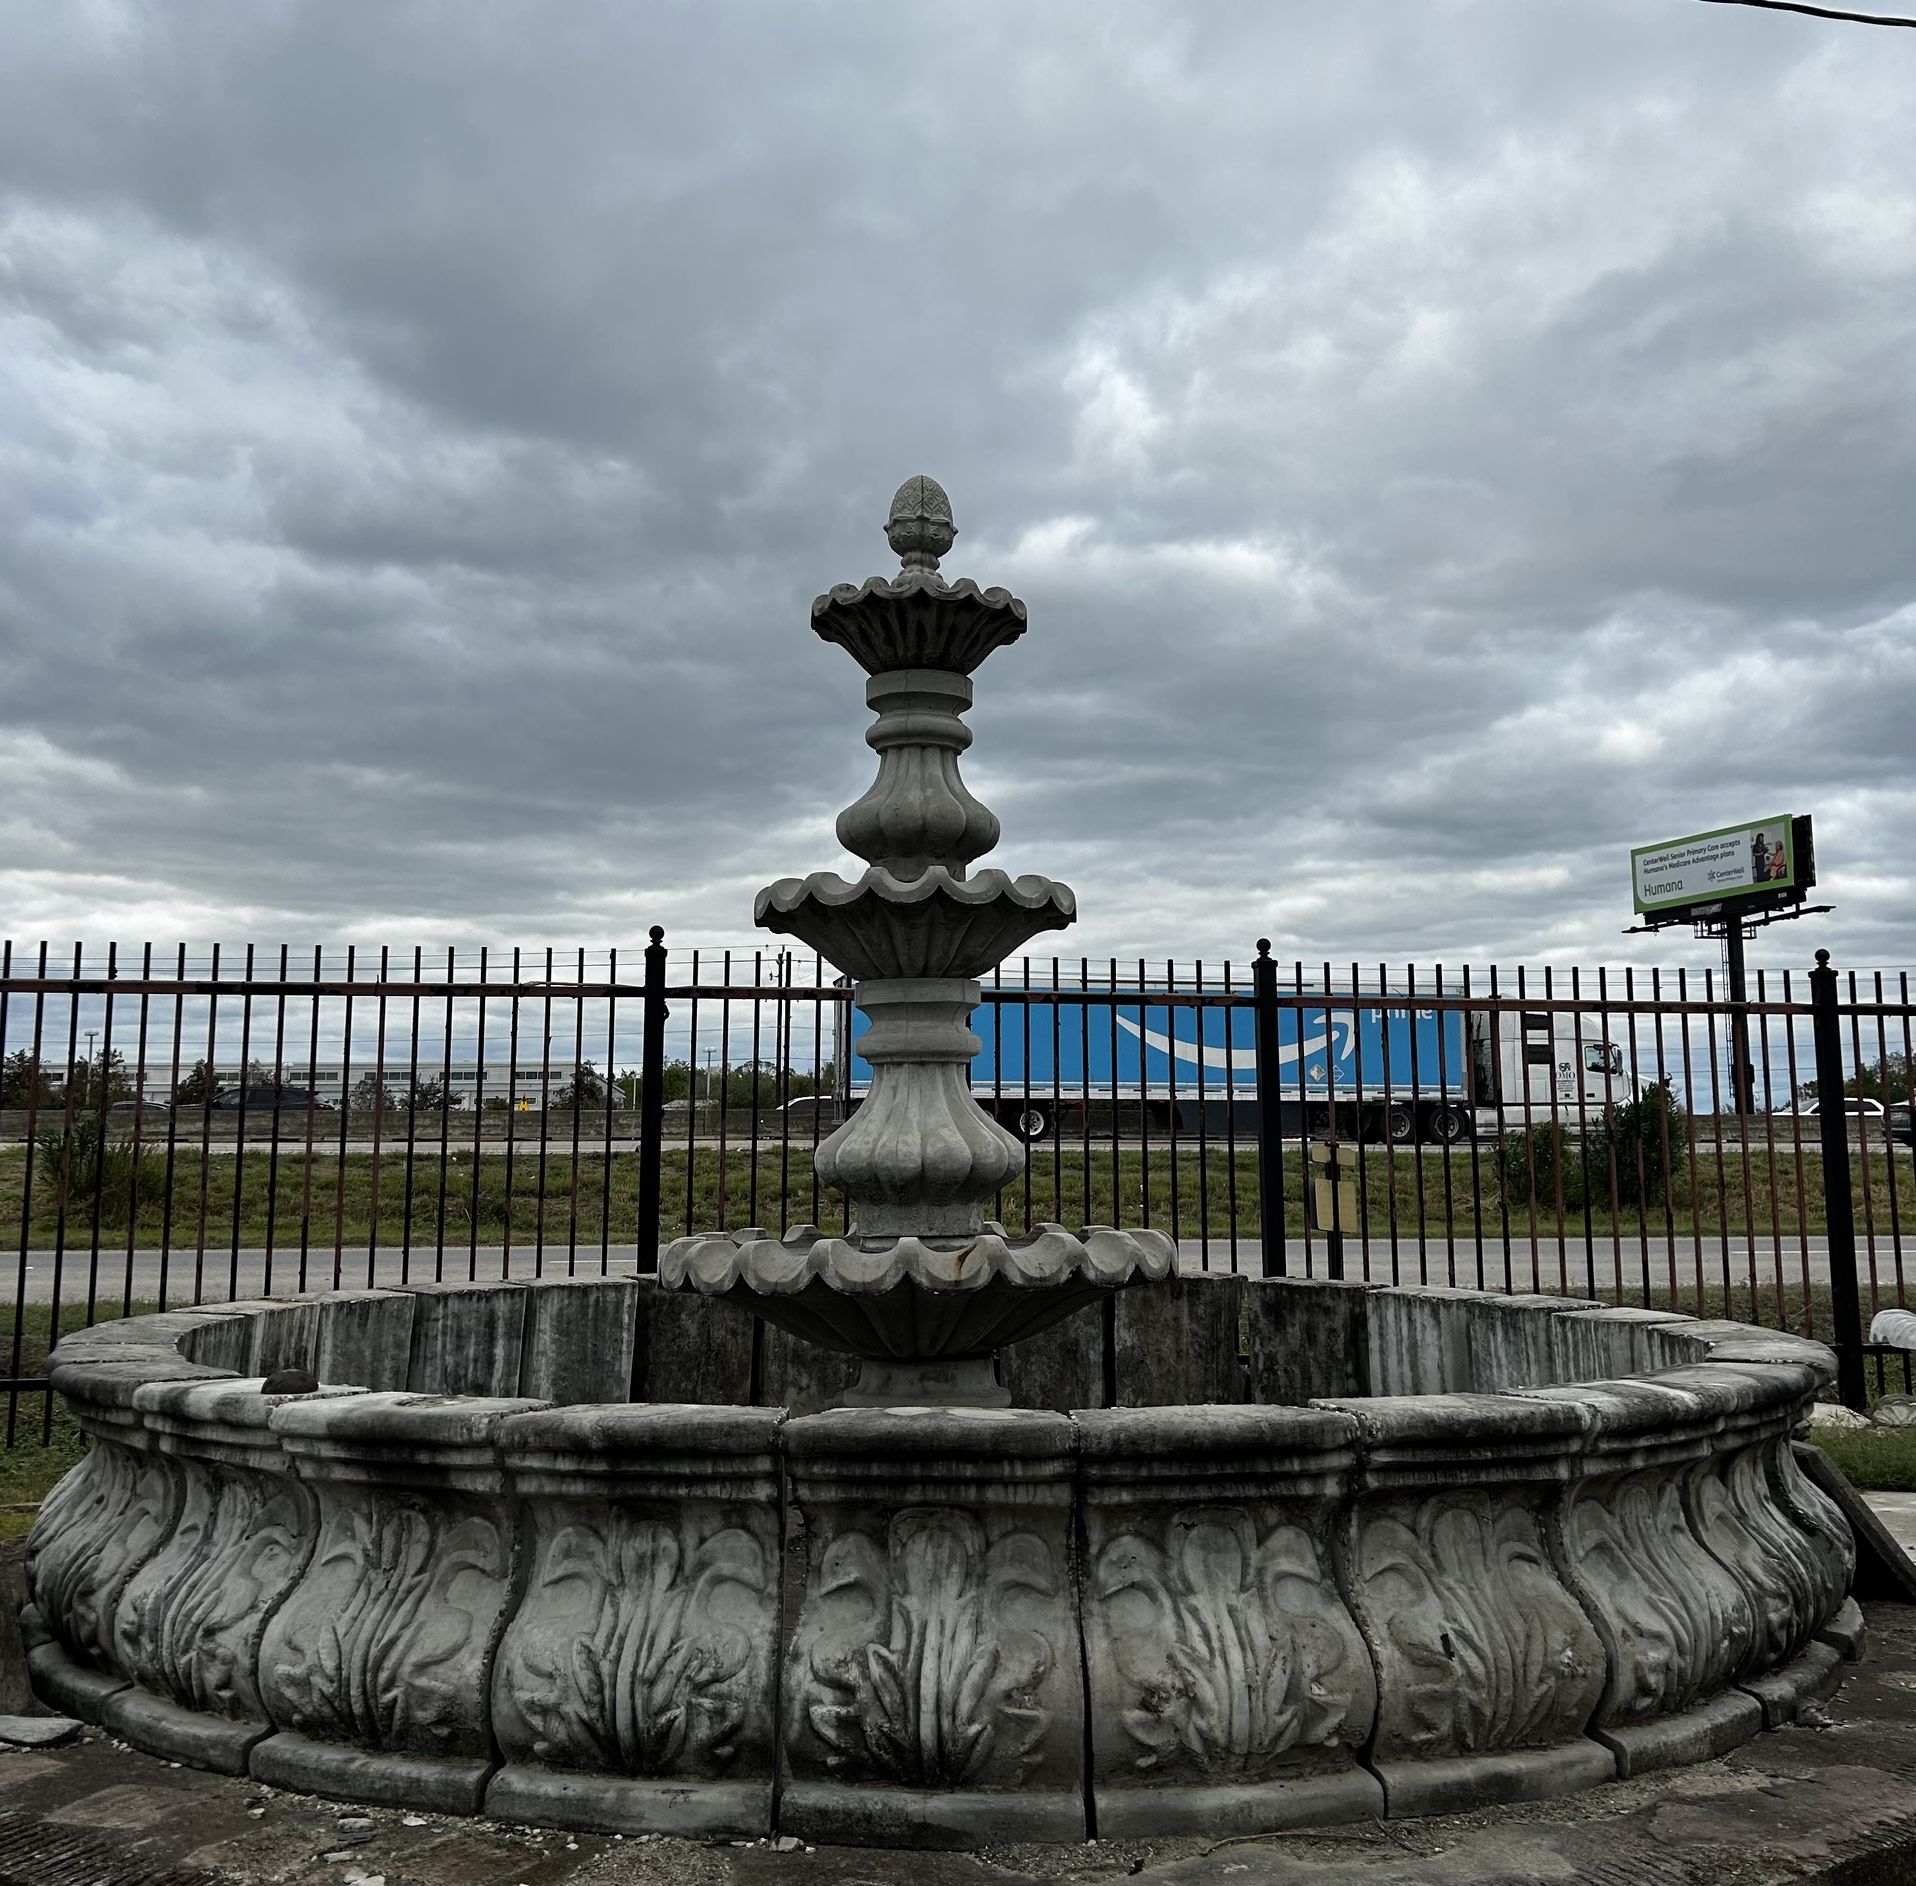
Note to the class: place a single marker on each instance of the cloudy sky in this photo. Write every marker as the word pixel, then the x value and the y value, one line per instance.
pixel 1439 446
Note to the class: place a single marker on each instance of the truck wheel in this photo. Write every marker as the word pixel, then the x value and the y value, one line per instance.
pixel 1400 1126
pixel 1031 1124
pixel 1448 1125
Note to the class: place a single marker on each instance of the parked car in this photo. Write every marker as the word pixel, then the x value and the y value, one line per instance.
pixel 287 1099
pixel 1871 1116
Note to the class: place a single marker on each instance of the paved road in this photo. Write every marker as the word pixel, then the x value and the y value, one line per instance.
pixel 1555 1266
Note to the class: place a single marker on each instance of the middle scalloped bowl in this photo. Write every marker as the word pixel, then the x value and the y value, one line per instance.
pixel 932 925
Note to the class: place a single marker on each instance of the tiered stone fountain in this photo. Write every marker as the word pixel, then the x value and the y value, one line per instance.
pixel 923 1286
pixel 1288 1551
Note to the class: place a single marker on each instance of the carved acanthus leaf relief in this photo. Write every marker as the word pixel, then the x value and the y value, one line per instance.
pixel 1243 1655
pixel 617 1658
pixel 1733 1512
pixel 935 1688
pixel 1825 1531
pixel 1479 1646
pixel 384 1639
pixel 122 1504
pixel 1676 1625
pixel 189 1619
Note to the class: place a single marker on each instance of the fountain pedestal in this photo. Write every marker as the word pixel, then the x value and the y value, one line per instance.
pixel 923 1286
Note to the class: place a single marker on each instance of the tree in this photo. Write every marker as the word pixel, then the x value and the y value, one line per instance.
pixel 1890 1078
pixel 197 1087
pixel 23 1081
pixel 101 1081
pixel 431 1096
pixel 371 1093
pixel 586 1088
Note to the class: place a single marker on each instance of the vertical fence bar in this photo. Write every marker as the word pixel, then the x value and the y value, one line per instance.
pixel 478 1123
pixel 412 1115
pixel 1199 1015
pixel 1862 1138
pixel 1304 1122
pixel 545 1121
pixel 34 1077
pixel 1418 1113
pixel 1444 1142
pixel 1084 1089
pixel 1466 1104
pixel 139 1122
pixel 724 1087
pixel 1390 1126
pixel 692 1111
pixel 1839 1214
pixel 279 1096
pixel 1117 1156
pixel 611 1095
pixel 578 1117
pixel 312 1122
pixel 1800 1169
pixel 172 1115
pixel 100 1073
pixel 1144 1103
pixel 1171 1091
pixel 758 1051
pixel 207 1098
pixel 512 1114
pixel 345 1117
pixel 1270 1142
pixel 382 1099
pixel 445 1124
pixel 652 1105
pixel 239 1130
pixel 65 1181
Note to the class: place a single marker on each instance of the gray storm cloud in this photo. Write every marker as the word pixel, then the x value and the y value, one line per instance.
pixel 1439 448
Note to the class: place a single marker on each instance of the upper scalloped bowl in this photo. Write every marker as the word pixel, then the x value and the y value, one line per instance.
pixel 932 925
pixel 916 620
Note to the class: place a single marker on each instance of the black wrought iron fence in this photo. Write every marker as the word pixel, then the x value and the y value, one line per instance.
pixel 183 1129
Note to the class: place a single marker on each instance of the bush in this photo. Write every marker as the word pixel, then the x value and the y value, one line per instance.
pixel 1530 1162
pixel 97 1166
pixel 1645 1137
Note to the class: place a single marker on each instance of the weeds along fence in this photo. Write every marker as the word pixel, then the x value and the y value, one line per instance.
pixel 178 1129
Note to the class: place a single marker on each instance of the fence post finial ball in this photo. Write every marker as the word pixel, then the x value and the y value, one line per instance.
pixel 919 528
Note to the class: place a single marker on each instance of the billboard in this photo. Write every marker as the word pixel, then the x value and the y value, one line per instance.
pixel 1736 861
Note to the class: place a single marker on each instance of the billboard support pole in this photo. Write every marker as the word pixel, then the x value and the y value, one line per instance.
pixel 1839 1210
pixel 1742 1074
pixel 1270 1120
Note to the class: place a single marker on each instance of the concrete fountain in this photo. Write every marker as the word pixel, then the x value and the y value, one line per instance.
pixel 1295 1552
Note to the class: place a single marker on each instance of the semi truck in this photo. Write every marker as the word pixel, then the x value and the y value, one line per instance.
pixel 1379 1067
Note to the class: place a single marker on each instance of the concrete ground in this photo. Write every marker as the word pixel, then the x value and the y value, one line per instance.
pixel 1897 1511
pixel 1832 1801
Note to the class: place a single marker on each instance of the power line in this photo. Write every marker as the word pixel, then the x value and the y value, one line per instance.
pixel 1820 13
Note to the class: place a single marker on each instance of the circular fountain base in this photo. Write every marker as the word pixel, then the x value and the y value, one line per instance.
pixel 1555 1544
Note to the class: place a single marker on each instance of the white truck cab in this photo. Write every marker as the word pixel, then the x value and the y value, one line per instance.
pixel 1537 1064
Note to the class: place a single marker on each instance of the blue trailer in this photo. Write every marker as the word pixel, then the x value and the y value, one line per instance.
pixel 1397 1072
